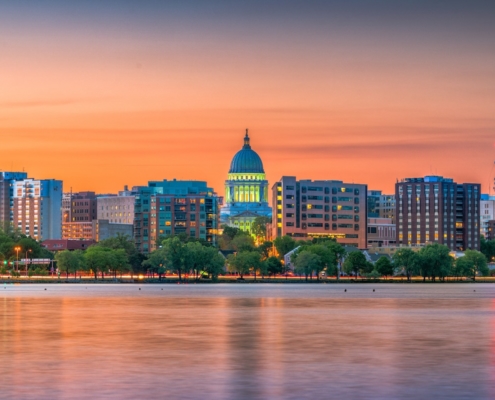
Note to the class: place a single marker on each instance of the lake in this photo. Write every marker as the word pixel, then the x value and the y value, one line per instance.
pixel 248 341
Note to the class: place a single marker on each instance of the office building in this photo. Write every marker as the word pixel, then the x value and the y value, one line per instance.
pixel 435 209
pixel 37 208
pixel 381 205
pixel 167 208
pixel 325 209
pixel 487 213
pixel 381 232
pixel 7 180
pixel 78 213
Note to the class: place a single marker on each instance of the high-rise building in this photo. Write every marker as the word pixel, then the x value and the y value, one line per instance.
pixel 78 212
pixel 487 213
pixel 117 209
pixel 166 208
pixel 37 208
pixel 325 209
pixel 435 209
pixel 246 190
pixel 7 180
pixel 381 205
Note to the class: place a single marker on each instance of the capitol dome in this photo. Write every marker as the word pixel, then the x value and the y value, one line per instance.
pixel 246 160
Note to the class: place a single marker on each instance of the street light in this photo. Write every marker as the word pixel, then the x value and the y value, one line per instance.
pixel 17 249
pixel 27 251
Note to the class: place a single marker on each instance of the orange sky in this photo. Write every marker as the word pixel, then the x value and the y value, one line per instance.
pixel 105 103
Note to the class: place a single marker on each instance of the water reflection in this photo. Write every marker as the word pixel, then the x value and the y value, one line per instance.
pixel 247 342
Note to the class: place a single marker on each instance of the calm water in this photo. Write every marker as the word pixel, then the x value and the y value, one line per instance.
pixel 247 341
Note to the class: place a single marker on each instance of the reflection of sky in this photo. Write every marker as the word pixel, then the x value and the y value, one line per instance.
pixel 131 91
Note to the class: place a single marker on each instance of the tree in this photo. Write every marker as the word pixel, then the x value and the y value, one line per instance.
pixel 214 262
pixel 69 261
pixel 265 249
pixel 472 263
pixel 124 242
pixel 306 262
pixel 258 228
pixel 156 262
pixel 242 243
pixel 96 259
pixel 273 266
pixel 339 254
pixel 228 234
pixel 355 262
pixel 174 255
pixel 194 257
pixel 284 244
pixel 487 247
pixel 119 262
pixel 405 259
pixel 243 262
pixel 436 261
pixel 327 258
pixel 384 266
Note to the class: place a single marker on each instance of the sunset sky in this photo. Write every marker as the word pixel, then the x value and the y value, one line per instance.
pixel 106 93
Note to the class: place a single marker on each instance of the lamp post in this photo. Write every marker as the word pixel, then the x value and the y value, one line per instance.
pixel 17 249
pixel 27 251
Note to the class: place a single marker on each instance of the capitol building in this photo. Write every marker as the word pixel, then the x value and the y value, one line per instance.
pixel 246 190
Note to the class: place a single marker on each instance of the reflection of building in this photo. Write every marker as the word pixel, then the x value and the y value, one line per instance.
pixel 7 180
pixel 246 189
pixel 37 205
pixel 165 208
pixel 487 213
pixel 434 209
pixel 328 209
pixel 381 232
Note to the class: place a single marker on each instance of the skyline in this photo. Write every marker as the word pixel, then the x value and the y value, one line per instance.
pixel 101 96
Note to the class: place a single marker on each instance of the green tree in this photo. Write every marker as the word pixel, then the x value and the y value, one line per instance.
pixel 156 262
pixel 96 259
pixel 384 266
pixel 306 262
pixel 273 265
pixel 406 260
pixel 355 263
pixel 473 263
pixel 327 258
pixel 119 262
pixel 243 243
pixel 243 262
pixel 487 247
pixel 214 262
pixel 265 249
pixel 174 255
pixel 258 228
pixel 284 244
pixel 70 261
pixel 339 255
pixel 436 259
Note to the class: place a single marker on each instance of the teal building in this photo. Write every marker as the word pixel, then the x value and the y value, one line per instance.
pixel 168 208
pixel 246 189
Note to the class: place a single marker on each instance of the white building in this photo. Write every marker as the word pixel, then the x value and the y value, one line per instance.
pixel 116 209
pixel 487 212
pixel 37 208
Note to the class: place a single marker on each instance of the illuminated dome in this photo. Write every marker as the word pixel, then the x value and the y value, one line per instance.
pixel 246 160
